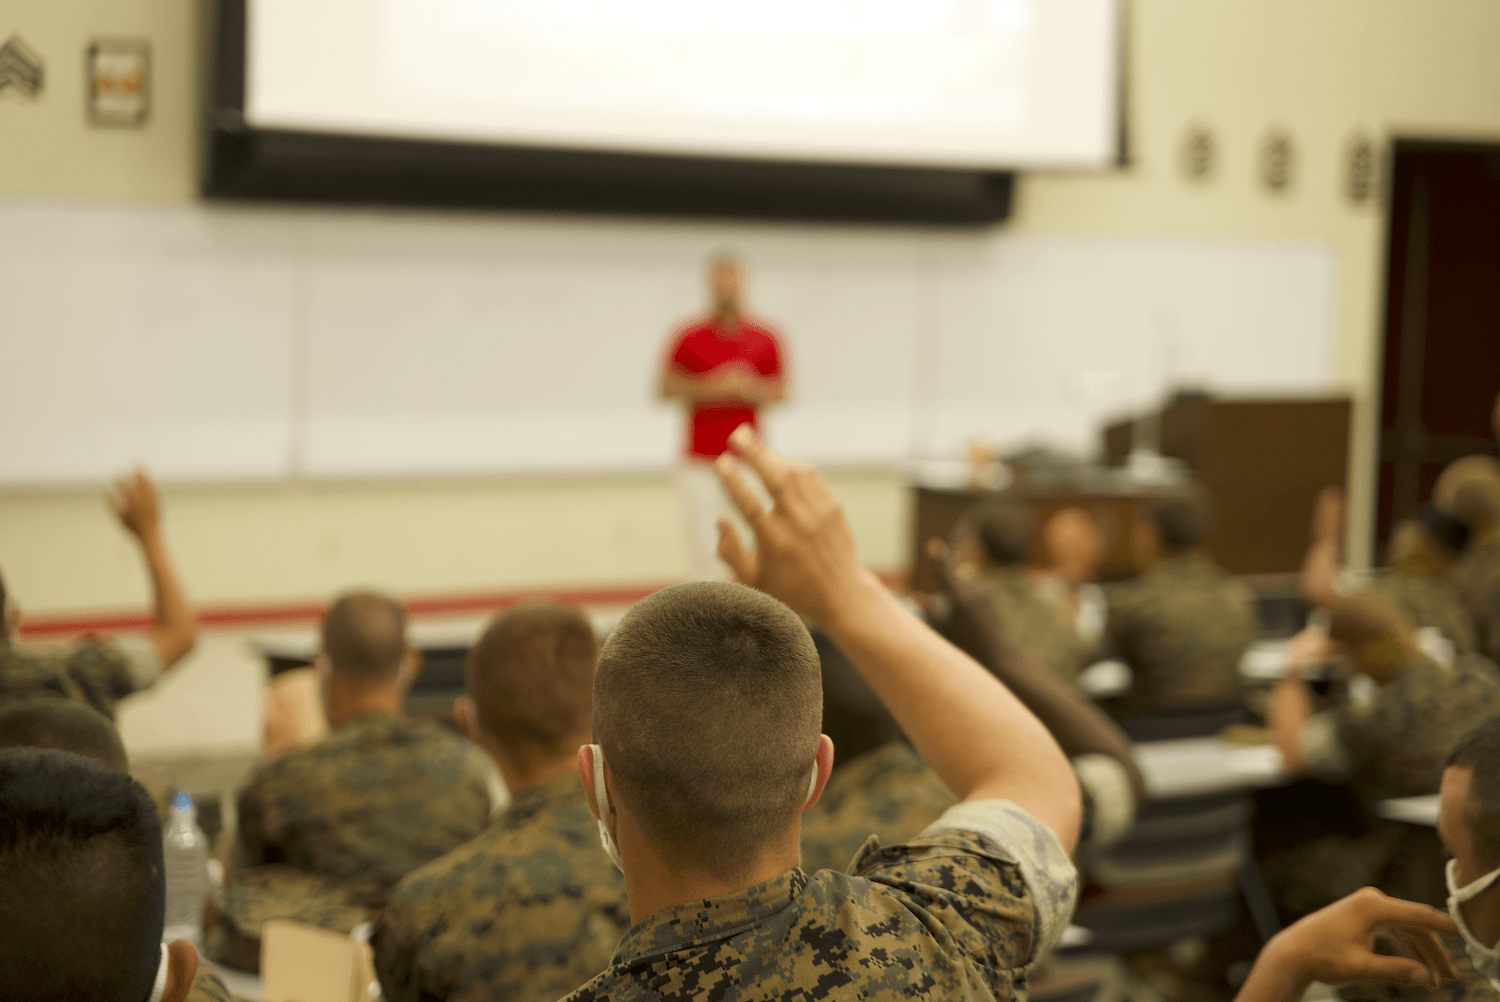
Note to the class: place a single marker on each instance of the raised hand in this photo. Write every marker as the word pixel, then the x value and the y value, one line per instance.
pixel 134 502
pixel 804 550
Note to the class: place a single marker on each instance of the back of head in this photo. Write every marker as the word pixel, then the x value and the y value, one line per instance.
pixel 1377 635
pixel 707 702
pixel 1182 519
pixel 81 882
pixel 1479 751
pixel 64 724
pixel 853 716
pixel 1073 545
pixel 1468 489
pixel 531 677
pixel 1005 529
pixel 364 638
pixel 1427 544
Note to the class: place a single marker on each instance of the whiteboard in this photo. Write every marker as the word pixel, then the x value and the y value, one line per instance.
pixel 216 343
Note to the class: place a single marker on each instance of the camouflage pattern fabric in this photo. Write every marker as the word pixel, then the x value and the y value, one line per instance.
pixel 255 896
pixel 1476 578
pixel 1182 626
pixel 374 800
pixel 958 913
pixel 208 988
pixel 1397 743
pixel 1429 603
pixel 1037 627
pixel 530 909
pixel 98 674
pixel 889 792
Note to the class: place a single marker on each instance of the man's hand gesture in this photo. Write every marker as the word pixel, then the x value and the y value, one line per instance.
pixel 135 504
pixel 804 550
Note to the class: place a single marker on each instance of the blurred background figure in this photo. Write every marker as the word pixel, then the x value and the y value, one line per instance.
pixel 723 367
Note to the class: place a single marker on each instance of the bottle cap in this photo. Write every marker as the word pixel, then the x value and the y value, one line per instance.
pixel 182 802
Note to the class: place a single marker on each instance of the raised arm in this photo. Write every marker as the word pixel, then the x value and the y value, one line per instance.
pixel 979 738
pixel 1320 568
pixel 175 631
pixel 1079 726
pixel 729 382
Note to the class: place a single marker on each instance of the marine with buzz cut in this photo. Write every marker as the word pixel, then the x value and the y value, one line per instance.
pixel 706 723
pixel 530 908
pixel 326 831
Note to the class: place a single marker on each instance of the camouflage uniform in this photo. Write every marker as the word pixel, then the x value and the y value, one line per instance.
pixel 96 673
pixel 1182 626
pixel 1476 578
pixel 208 988
pixel 1391 743
pixel 1037 627
pixel 960 912
pixel 889 792
pixel 1428 603
pixel 255 896
pixel 530 909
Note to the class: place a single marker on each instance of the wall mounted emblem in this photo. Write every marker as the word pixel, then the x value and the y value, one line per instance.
pixel 21 68
pixel 1198 152
pixel 1277 160
pixel 1361 172
pixel 119 81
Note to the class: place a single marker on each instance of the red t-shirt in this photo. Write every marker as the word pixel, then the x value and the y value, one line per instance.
pixel 700 349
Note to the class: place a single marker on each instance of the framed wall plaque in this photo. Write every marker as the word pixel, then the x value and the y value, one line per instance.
pixel 119 81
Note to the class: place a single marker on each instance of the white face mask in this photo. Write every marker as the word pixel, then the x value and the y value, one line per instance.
pixel 161 977
pixel 1484 957
pixel 601 798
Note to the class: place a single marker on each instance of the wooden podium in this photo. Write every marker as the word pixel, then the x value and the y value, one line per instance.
pixel 1263 460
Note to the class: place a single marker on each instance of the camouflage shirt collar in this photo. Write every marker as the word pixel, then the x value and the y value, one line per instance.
pixel 698 922
pixel 565 787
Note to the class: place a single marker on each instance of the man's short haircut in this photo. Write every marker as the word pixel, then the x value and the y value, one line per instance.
pixel 1479 751
pixel 1182 519
pixel 82 888
pixel 1469 490
pixel 64 724
pixel 1006 530
pixel 364 637
pixel 707 701
pixel 531 676
pixel 853 716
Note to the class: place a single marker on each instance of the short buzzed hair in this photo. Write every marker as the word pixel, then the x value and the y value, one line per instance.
pixel 1006 530
pixel 707 701
pixel 82 888
pixel 531 676
pixel 1182 519
pixel 64 724
pixel 364 637
pixel 1479 751
pixel 1469 490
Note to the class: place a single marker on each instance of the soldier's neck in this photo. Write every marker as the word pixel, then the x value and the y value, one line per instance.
pixel 520 771
pixel 654 885
pixel 347 702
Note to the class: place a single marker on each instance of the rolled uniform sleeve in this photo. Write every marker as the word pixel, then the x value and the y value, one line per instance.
pixel 142 660
pixel 1015 836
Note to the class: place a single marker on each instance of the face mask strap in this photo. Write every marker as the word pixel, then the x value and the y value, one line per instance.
pixel 160 986
pixel 601 790
pixel 1471 890
pixel 812 786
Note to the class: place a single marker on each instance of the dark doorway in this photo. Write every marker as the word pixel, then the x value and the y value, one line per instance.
pixel 1441 363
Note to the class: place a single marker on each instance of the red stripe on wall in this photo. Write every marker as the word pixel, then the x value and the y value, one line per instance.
pixel 56 625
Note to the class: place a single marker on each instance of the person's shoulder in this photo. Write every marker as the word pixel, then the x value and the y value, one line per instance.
pixel 475 870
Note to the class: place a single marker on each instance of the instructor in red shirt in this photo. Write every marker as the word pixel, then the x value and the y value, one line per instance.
pixel 724 367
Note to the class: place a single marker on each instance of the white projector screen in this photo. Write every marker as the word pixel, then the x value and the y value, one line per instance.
pixel 971 84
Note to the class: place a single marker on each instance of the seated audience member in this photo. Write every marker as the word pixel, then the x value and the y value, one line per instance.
pixel 1389 739
pixel 327 830
pixel 1074 549
pixel 1469 490
pixel 82 888
pixel 1184 623
pixel 102 673
pixel 530 909
pixel 1469 826
pixel 706 712
pixel 879 785
pixel 1421 553
pixel 67 725
pixel 1036 611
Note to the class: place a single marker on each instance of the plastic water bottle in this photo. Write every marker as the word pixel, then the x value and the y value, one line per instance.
pixel 185 855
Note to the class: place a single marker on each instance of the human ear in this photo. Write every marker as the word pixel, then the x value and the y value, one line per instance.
pixel 182 968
